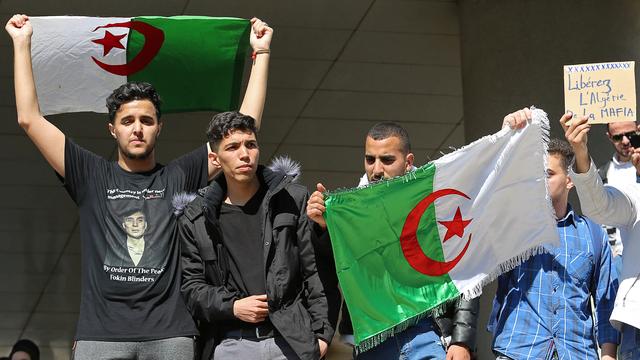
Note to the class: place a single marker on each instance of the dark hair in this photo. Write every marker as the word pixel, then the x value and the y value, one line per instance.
pixel 27 346
pixel 131 91
pixel 561 148
pixel 224 123
pixel 385 130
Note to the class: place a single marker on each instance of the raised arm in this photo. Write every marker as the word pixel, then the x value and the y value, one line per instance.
pixel 46 136
pixel 254 97
pixel 603 204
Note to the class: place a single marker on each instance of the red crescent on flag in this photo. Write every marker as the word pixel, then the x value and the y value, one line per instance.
pixel 409 240
pixel 153 39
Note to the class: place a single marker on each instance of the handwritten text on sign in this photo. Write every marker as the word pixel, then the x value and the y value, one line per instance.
pixel 604 92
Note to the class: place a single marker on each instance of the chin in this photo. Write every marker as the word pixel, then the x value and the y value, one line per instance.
pixel 244 178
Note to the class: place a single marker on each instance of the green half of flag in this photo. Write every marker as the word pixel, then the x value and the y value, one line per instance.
pixel 199 63
pixel 383 292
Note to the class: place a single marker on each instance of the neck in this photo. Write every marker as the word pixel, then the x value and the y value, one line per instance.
pixel 239 193
pixel 622 159
pixel 561 209
pixel 137 165
pixel 132 240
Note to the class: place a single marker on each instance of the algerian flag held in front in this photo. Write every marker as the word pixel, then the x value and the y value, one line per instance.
pixel 407 245
pixel 195 62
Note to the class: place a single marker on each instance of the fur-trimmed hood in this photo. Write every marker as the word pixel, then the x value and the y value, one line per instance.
pixel 282 165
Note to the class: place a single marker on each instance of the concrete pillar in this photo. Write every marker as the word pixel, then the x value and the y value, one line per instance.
pixel 512 56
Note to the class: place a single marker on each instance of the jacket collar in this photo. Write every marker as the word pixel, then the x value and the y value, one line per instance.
pixel 216 192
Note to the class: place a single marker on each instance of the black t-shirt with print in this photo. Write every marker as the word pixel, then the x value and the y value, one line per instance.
pixel 130 251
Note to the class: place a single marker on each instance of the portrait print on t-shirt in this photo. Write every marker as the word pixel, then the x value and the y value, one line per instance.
pixel 137 249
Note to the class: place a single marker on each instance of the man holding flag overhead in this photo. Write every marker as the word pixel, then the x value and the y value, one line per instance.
pixel 127 312
pixel 541 309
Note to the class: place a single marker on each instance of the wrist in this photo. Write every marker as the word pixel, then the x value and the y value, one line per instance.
pixel 21 41
pixel 257 52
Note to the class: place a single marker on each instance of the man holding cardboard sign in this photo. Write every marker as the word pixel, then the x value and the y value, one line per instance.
pixel 619 206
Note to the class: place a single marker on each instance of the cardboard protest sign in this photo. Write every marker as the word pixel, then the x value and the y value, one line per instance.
pixel 603 92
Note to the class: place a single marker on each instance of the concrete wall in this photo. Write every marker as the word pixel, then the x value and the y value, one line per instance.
pixel 512 56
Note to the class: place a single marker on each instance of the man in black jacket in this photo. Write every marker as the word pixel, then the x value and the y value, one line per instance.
pixel 451 330
pixel 249 272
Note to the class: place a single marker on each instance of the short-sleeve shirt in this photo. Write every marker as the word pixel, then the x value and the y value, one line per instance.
pixel 130 254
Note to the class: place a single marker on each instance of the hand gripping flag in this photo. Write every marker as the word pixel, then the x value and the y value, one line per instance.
pixel 407 245
pixel 195 62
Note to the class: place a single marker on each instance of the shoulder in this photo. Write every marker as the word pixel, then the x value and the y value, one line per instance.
pixel 298 191
pixel 74 150
pixel 188 206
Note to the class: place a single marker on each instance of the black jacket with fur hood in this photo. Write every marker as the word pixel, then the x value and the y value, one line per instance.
pixel 297 304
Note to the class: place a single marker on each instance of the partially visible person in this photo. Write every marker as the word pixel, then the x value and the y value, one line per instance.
pixel 542 307
pixel 25 349
pixel 619 206
pixel 618 171
pixel 451 334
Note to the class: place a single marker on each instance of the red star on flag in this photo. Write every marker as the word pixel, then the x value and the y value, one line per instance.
pixel 110 41
pixel 455 226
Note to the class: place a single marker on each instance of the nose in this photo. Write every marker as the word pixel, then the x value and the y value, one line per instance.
pixel 243 152
pixel 625 139
pixel 137 127
pixel 378 169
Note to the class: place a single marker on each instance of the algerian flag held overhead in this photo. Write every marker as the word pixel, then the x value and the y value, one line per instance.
pixel 407 245
pixel 195 62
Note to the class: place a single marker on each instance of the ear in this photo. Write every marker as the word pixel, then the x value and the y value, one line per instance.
pixel 159 129
pixel 213 158
pixel 112 130
pixel 569 183
pixel 409 161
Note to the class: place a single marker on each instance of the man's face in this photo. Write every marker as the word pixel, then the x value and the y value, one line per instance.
pixel 237 155
pixel 384 159
pixel 136 128
pixel 619 140
pixel 559 181
pixel 20 355
pixel 135 225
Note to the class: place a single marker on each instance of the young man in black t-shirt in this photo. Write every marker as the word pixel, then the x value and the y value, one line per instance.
pixel 131 306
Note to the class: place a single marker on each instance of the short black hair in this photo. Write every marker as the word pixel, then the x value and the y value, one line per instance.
pixel 133 90
pixel 387 129
pixel 225 123
pixel 563 149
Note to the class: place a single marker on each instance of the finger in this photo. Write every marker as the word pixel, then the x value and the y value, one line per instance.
pixel 564 119
pixel 261 304
pixel 321 188
pixel 262 297
pixel 527 113
pixel 319 207
pixel 316 197
pixel 253 20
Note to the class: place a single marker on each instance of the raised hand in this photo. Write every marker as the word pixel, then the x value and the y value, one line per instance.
pixel 19 27
pixel 518 119
pixel 577 135
pixel 261 34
